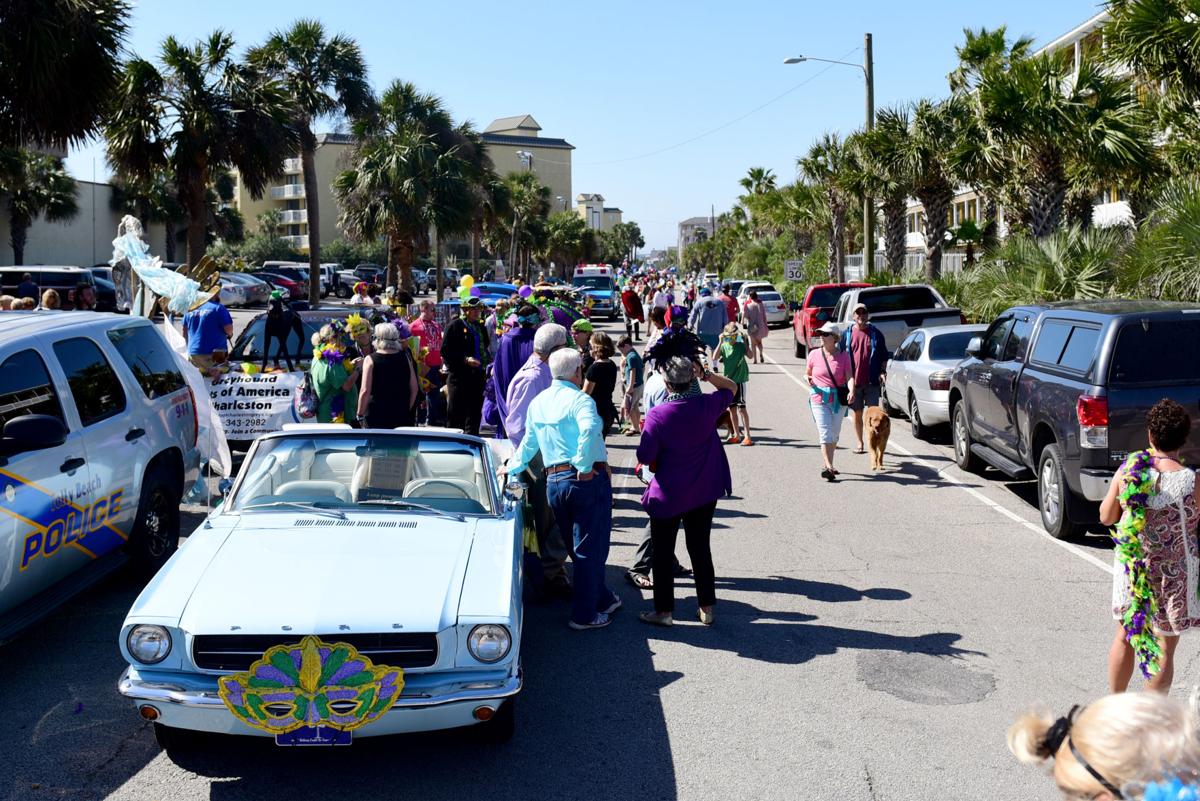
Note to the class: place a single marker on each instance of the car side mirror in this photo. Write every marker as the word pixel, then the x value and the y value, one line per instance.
pixel 32 432
pixel 514 492
pixel 975 347
pixel 225 486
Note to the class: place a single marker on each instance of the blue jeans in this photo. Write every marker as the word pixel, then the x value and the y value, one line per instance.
pixel 584 508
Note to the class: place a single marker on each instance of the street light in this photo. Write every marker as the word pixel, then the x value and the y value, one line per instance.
pixel 868 68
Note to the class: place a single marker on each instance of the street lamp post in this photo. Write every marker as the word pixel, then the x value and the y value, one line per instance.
pixel 868 68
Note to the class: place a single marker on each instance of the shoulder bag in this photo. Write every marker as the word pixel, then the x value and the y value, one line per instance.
pixel 843 391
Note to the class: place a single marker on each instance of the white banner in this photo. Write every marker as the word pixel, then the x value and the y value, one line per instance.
pixel 250 405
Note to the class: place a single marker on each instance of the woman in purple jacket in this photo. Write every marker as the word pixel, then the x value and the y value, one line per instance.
pixel 681 446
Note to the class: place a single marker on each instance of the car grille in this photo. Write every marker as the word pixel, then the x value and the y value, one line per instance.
pixel 239 651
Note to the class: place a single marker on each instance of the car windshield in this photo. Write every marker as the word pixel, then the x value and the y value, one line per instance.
pixel 951 347
pixel 593 281
pixel 772 297
pixel 827 296
pixel 334 473
pixel 904 298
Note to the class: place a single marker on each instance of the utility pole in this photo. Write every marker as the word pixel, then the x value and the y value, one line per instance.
pixel 869 202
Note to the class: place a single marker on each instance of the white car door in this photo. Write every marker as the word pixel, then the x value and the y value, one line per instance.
pixel 897 375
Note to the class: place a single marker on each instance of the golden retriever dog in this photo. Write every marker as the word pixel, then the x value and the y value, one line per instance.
pixel 879 428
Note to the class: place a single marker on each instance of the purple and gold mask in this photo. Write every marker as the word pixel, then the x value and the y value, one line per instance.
pixel 311 683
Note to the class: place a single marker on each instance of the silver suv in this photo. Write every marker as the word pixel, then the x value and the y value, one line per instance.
pixel 97 444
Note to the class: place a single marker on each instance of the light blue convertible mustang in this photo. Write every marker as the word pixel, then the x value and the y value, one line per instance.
pixel 353 583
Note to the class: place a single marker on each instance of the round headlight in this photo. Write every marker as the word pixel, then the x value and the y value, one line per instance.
pixel 148 644
pixel 489 642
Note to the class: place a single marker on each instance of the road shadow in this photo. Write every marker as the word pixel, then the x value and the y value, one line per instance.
pixel 825 591
pixel 779 442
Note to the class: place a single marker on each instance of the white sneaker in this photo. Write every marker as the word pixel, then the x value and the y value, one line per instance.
pixel 598 622
pixel 616 604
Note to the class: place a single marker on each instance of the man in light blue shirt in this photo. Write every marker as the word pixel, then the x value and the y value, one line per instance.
pixel 562 424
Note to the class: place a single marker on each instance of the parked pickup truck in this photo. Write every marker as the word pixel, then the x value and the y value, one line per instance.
pixel 896 310
pixel 812 313
pixel 1061 391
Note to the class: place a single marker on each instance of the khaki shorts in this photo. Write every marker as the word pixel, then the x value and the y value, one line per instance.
pixel 633 398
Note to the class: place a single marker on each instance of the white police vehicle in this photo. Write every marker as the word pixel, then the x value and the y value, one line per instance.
pixel 97 443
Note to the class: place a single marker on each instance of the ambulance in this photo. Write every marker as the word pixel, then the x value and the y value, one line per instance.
pixel 598 281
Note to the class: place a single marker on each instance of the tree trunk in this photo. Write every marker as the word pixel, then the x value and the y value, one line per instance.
pixel 308 163
pixel 894 232
pixel 839 245
pixel 18 234
pixel 936 199
pixel 400 258
pixel 475 237
pixel 437 253
pixel 1047 191
pixel 197 217
pixel 172 234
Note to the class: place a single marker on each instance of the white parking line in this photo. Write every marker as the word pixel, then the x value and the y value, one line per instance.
pixel 974 493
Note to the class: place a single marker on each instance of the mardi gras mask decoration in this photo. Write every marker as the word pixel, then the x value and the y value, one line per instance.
pixel 311 683
pixel 357 326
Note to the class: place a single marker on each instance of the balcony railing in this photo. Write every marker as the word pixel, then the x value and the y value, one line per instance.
pixel 287 191
pixel 298 242
pixel 292 165
pixel 293 216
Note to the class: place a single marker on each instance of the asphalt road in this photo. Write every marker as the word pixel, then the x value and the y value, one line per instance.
pixel 874 640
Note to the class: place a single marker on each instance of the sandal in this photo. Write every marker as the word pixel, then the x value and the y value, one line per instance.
pixel 639 580
pixel 655 619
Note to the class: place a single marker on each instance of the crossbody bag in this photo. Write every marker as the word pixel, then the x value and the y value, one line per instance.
pixel 843 392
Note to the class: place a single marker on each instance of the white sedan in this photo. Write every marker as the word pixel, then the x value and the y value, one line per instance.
pixel 917 379
pixel 353 583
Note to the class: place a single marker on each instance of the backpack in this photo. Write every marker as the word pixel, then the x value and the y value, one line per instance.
pixel 305 400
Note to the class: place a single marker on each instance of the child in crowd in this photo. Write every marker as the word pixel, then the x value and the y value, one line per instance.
pixel 633 381
pixel 731 353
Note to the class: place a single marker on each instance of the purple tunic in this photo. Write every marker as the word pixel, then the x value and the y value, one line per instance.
pixel 515 348
pixel 680 442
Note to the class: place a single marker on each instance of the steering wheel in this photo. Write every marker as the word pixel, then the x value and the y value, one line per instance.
pixel 419 484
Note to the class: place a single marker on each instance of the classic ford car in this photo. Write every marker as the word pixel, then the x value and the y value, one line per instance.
pixel 352 583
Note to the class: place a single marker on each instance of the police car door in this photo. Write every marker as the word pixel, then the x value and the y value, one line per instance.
pixel 39 521
pixel 113 438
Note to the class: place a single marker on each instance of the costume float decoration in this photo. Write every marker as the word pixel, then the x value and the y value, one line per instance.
pixel 1135 494
pixel 311 683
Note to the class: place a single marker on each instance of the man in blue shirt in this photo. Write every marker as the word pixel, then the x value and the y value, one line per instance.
pixel 206 330
pixel 27 288
pixel 562 424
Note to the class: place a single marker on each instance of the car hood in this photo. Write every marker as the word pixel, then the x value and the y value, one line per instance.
pixel 371 573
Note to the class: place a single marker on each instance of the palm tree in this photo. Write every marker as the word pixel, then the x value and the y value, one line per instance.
pixel 152 201
pixel 59 65
pixel 1162 261
pixel 529 201
pixel 35 186
pixel 887 179
pixel 202 115
pixel 985 50
pixel 826 165
pixel 323 76
pixel 406 174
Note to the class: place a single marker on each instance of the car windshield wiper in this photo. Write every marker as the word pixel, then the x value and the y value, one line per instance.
pixel 308 507
pixel 410 505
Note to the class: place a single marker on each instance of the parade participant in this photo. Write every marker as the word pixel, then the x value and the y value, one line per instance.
pixel 731 353
pixel 83 297
pixel 868 356
pixel 708 319
pixel 6 302
pixel 1155 500
pixel 731 304
pixel 497 324
pixel 389 382
pixel 464 351
pixel 661 299
pixel 429 335
pixel 755 318
pixel 600 380
pixel 334 375
pixel 281 322
pixel 360 335
pixel 632 383
pixel 631 308
pixel 50 301
pixel 680 444
pixel 362 295
pixel 1106 749
pixel 527 384
pixel 512 353
pixel 563 426
pixel 658 323
pixel 829 378
pixel 581 333
pixel 207 328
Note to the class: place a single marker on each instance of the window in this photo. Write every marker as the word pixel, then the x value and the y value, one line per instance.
pixel 950 347
pixel 149 358
pixel 995 338
pixel 905 298
pixel 825 297
pixel 913 352
pixel 960 212
pixel 1066 345
pixel 26 388
pixel 902 351
pixel 1150 353
pixel 1018 344
pixel 972 210
pixel 94 386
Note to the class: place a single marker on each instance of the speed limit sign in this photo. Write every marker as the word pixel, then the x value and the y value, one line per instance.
pixel 793 270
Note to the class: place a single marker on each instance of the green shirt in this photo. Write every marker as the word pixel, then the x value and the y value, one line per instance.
pixel 733 359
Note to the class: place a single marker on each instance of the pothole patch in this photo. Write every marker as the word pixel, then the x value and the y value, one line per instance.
pixel 924 678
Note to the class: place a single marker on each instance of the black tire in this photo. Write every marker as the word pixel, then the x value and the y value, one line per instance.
pixel 961 431
pixel 173 740
pixel 343 291
pixel 155 535
pixel 1055 503
pixel 919 429
pixel 801 351
pixel 887 404
pixel 499 730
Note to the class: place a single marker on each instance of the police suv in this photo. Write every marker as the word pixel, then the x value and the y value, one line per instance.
pixel 97 443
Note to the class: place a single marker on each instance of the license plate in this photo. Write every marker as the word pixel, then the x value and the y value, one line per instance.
pixel 314 735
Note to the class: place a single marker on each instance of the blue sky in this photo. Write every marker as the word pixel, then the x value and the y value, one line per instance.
pixel 622 80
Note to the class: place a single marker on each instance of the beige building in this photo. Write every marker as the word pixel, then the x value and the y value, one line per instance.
pixel 513 143
pixel 593 211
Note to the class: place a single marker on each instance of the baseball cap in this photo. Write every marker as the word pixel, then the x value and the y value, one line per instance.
pixel 860 307
pixel 828 328
pixel 705 290
pixel 583 326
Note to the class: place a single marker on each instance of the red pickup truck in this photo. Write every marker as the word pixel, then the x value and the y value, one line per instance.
pixel 810 315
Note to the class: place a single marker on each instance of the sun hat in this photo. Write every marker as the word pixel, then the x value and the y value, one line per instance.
pixel 584 326
pixel 828 328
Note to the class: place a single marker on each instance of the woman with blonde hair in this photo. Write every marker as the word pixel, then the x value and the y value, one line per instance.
pixel 1113 746
pixel 50 300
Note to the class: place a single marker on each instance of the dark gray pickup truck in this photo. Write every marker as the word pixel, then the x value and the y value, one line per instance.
pixel 1060 391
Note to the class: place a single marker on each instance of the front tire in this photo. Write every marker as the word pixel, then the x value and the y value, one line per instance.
pixel 799 349
pixel 919 429
pixel 172 740
pixel 343 291
pixel 962 441
pixel 1054 496
pixel 500 729
pixel 155 535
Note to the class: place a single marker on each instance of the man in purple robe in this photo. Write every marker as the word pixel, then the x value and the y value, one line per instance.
pixel 515 348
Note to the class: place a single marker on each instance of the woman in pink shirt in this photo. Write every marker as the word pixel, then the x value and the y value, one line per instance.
pixel 828 370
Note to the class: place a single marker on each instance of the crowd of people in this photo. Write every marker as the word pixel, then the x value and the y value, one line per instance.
pixel 30 297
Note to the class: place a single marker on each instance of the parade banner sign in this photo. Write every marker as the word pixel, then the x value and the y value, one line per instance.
pixel 250 405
